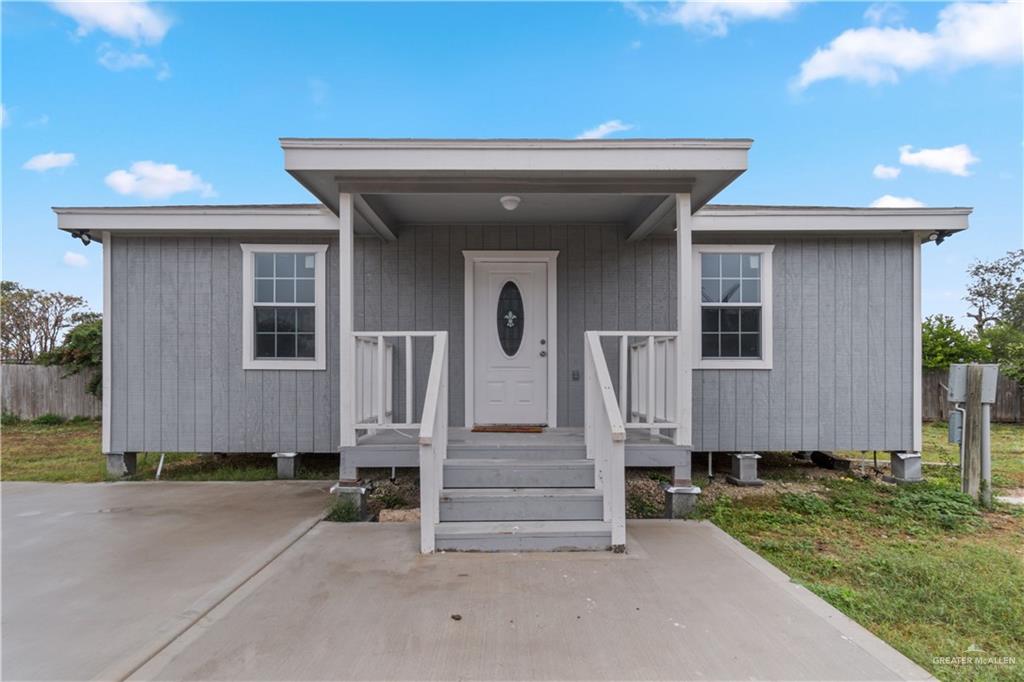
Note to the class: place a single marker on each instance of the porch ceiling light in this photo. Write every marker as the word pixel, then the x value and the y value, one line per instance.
pixel 510 202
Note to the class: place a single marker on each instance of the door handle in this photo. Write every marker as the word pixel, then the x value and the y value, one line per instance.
pixel 543 353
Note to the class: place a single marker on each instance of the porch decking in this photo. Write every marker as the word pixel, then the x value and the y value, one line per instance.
pixel 399 447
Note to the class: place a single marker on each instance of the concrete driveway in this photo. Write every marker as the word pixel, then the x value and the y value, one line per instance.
pixel 97 577
pixel 687 602
pixel 239 581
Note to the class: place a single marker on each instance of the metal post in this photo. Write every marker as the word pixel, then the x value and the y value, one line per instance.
pixel 986 455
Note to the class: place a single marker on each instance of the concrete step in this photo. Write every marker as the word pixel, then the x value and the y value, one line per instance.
pixel 523 536
pixel 518 473
pixel 521 504
pixel 517 451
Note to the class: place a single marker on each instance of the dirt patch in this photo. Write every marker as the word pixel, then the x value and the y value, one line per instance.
pixel 398 515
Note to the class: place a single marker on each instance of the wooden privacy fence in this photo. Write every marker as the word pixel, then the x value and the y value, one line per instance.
pixel 1009 405
pixel 33 390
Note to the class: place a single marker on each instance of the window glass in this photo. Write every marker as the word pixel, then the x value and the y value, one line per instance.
pixel 730 305
pixel 284 331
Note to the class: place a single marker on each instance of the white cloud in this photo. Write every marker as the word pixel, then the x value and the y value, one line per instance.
pixel 39 122
pixel 75 260
pixel 953 160
pixel 5 116
pixel 131 20
pixel 48 161
pixel 889 201
pixel 882 13
pixel 318 90
pixel 604 130
pixel 164 73
pixel 966 34
pixel 115 60
pixel 883 172
pixel 152 180
pixel 711 16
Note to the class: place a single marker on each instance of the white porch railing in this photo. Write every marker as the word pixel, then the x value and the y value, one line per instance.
pixel 647 378
pixel 375 353
pixel 605 435
pixel 433 442
pixel 375 368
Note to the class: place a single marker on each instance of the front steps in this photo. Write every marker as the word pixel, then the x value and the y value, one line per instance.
pixel 520 499
pixel 523 536
pixel 521 504
pixel 518 473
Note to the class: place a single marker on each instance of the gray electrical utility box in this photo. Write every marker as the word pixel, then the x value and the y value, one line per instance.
pixel 958 383
pixel 956 427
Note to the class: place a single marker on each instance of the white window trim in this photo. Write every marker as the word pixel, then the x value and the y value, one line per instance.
pixel 249 361
pixel 765 361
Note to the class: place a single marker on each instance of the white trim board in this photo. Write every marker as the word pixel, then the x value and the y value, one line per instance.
pixel 319 362
pixel 772 219
pixel 916 406
pixel 765 361
pixel 108 361
pixel 549 257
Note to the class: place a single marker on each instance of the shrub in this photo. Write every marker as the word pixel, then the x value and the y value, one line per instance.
pixel 342 511
pixel 49 419
pixel 9 419
pixel 944 343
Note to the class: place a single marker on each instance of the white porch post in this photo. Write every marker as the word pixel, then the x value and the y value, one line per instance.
pixel 684 321
pixel 346 317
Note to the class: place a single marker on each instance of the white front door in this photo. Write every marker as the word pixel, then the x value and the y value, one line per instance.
pixel 510 342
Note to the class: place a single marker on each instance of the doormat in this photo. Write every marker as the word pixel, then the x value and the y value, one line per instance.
pixel 508 428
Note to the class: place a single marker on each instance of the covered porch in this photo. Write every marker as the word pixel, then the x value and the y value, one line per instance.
pixel 593 240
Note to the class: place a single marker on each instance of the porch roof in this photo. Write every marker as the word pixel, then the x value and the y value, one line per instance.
pixel 402 181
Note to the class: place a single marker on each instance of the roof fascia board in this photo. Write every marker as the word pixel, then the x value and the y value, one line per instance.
pixel 537 158
pixel 196 220
pixel 832 221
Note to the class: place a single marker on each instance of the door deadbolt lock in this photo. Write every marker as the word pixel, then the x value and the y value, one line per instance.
pixel 543 341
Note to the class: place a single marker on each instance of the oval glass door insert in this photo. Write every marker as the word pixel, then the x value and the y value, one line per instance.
pixel 510 318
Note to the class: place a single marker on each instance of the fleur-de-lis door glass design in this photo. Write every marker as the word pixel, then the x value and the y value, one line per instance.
pixel 510 319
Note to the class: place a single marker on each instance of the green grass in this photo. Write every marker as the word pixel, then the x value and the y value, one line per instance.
pixel 919 566
pixel 56 453
pixel 70 452
pixel 1007 451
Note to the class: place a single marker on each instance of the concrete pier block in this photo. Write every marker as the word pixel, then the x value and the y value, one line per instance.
pixel 287 464
pixel 681 501
pixel 744 469
pixel 353 492
pixel 906 467
pixel 121 464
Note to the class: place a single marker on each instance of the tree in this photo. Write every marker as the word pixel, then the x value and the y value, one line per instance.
pixel 81 351
pixel 996 291
pixel 944 343
pixel 32 321
pixel 1006 345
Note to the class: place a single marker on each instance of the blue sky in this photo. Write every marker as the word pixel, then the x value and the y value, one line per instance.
pixel 203 91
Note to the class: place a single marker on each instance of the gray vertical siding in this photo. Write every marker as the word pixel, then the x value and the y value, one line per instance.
pixel 843 355
pixel 842 366
pixel 176 352
pixel 600 286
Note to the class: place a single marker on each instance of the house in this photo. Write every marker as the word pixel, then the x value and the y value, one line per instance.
pixel 587 287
